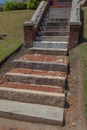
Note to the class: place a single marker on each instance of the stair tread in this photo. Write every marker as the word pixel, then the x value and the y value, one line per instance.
pixel 52 59
pixel 22 71
pixel 46 49
pixel 31 112
pixel 45 88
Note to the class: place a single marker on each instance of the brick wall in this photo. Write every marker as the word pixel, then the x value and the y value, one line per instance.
pixel 74 36
pixel 31 27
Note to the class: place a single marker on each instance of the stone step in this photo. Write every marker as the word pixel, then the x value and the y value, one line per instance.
pixel 61 6
pixel 54 24
pixel 54 28
pixel 32 96
pixel 31 112
pixel 56 16
pixel 53 33
pixel 48 51
pixel 50 44
pixel 58 12
pixel 42 62
pixel 59 9
pixel 58 20
pixel 53 38
pixel 38 77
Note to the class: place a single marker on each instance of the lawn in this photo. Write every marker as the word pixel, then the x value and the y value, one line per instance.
pixel 11 23
pixel 84 58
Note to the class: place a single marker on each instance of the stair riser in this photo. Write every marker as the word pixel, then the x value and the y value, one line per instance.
pixel 41 66
pixel 55 20
pixel 36 98
pixel 49 38
pixel 54 24
pixel 53 33
pixel 52 28
pixel 56 27
pixel 48 52
pixel 36 80
pixel 56 16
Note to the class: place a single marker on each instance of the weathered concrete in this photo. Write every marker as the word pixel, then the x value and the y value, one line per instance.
pixel 48 51
pixel 31 112
pixel 51 44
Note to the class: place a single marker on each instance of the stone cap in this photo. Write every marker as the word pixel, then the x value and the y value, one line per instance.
pixel 37 15
pixel 75 13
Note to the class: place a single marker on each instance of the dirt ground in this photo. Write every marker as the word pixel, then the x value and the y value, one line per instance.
pixel 74 111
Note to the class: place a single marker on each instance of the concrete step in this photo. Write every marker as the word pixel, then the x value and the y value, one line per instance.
pixel 54 24
pixel 48 51
pixel 50 44
pixel 43 62
pixel 31 112
pixel 53 38
pixel 53 33
pixel 56 16
pixel 61 6
pixel 54 28
pixel 38 77
pixel 31 96
pixel 58 12
pixel 58 20
pixel 59 9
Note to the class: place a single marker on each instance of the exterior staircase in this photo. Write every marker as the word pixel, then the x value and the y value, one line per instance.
pixel 35 88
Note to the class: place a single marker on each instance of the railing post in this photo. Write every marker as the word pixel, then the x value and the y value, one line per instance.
pixel 29 33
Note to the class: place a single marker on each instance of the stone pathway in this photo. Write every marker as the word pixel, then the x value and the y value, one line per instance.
pixel 35 88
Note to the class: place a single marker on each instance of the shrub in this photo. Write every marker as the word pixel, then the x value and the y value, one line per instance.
pixel 33 4
pixel 14 6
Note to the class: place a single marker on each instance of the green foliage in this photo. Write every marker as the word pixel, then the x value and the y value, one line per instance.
pixel 33 4
pixel 14 6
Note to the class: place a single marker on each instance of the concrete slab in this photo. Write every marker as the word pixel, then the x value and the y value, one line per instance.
pixel 31 112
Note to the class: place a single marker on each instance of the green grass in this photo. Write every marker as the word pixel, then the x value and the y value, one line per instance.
pixel 11 23
pixel 84 59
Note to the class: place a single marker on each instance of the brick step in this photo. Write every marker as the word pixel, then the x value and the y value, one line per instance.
pixel 48 51
pixel 28 76
pixel 53 33
pixel 43 88
pixel 53 38
pixel 60 3
pixel 32 96
pixel 50 44
pixel 43 62
pixel 31 112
